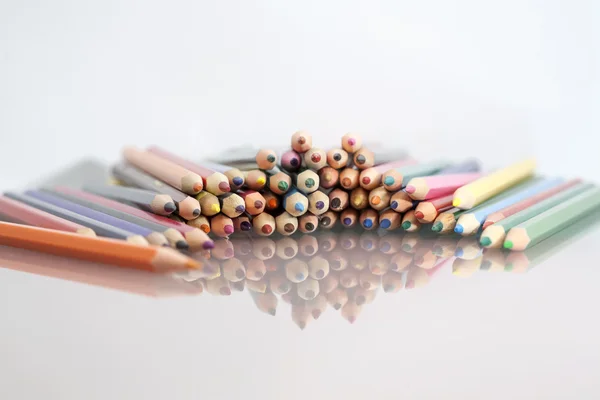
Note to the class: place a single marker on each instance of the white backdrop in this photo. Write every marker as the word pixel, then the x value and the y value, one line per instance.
pixel 494 79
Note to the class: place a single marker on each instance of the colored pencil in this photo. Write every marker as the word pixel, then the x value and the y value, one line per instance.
pixel 410 223
pixel 337 158
pixel 468 248
pixel 369 219
pixel 370 178
pixel 265 302
pixel 351 311
pixel 263 224
pixel 280 182
pixel 151 236
pixel 470 222
pixel 308 245
pixel 427 211
pixel 315 158
pixel 161 204
pixel 446 220
pixel 351 142
pixel 232 205
pixel 295 203
pixel 434 186
pixel 301 142
pixel 338 200
pixel 178 177
pixel 349 217
pixel 392 282
pixel 308 223
pixel 187 207
pixel 328 219
pixel 318 267
pixel 401 202
pixel 301 315
pixel 318 202
pixel 337 298
pixel 286 224
pixel 396 178
pixel 243 223
pixel 307 181
pixel 317 306
pixel 494 235
pixel 233 270
pixel 121 211
pixel 296 270
pixel 254 201
pixel 221 225
pixel 490 185
pixel 234 175
pixel 328 177
pixel 389 220
pixel 379 198
pixel 540 227
pixel 271 201
pixel 291 161
pixel 22 213
pixel 209 203
pixel 349 178
pixel 363 158
pixel 101 228
pixel 266 159
pixel 523 204
pixel 212 181
pixel 359 198
pixel 101 250
pixel 255 179
pixel 255 269
pixel 201 223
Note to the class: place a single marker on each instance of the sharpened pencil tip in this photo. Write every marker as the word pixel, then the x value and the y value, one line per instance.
pixel 215 208
pixel 237 181
pixel 410 189
pixel 170 207
pixel 367 223
pixel 272 311
pixel 419 215
pixel 299 207
pixel 385 223
pixel 508 244
pixel 228 229
pixel 437 227
pixel 375 200
pixel 406 225
pixel 485 241
pixel 266 229
pixel 224 187
pixel 394 205
pixel 197 187
pixel 347 221
pixel 240 208
pixel 310 182
pixel 261 181
pixel 459 252
pixel 191 264
pixel 209 244
pixel 459 228
pixel 366 180
pixel 245 226
pixel 316 313
pixel 182 245
pixel 351 319
pixel 196 212
pixel 258 204
pixel 283 186
pixel 271 158
pixel 456 202
pixel 388 181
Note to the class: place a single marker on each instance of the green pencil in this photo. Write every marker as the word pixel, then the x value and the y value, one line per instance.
pixel 549 222
pixel 493 236
pixel 445 222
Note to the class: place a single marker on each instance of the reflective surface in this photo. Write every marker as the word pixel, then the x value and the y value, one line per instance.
pixel 395 316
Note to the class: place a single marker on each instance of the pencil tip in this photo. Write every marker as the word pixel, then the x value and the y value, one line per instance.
pixel 170 207
pixel 385 223
pixel 258 204
pixel 224 187
pixel 209 244
pixel 197 187
pixel 394 205
pixel 240 208
pixel 419 215
pixel 347 221
pixel 388 181
pixel 456 202
pixel 367 223
pixel 459 228
pixel 228 229
pixel 272 311
pixel 215 208
pixel 351 319
pixel 261 181
pixel 299 207
pixel 192 264
pixel 508 244
pixel 437 227
pixel 240 274
pixel 283 186
pixel 406 225
pixel 375 200
pixel 337 306
pixel 316 313
pixel 225 291
pixel 485 241
pixel 410 189
pixel 237 181
pixel 196 212
pixel 459 252
pixel 182 245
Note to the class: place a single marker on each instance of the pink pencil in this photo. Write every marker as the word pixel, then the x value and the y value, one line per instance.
pixel 370 178
pixel 429 187
pixel 523 204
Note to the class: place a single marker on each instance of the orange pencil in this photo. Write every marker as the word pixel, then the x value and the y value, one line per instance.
pixel 349 178
pixel 102 250
pixel 167 171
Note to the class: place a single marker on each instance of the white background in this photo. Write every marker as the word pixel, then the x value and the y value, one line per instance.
pixel 499 80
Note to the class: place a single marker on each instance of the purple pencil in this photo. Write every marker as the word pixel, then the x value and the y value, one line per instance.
pixel 291 161
pixel 152 237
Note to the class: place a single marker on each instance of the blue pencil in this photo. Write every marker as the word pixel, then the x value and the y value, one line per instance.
pixel 295 203
pixel 470 222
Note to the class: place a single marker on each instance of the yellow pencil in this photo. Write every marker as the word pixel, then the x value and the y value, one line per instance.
pixel 490 185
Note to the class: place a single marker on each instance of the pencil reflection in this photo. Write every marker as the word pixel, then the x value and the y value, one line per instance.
pixel 311 275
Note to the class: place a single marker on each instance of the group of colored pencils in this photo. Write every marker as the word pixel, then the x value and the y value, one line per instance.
pixel 336 271
pixel 163 200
